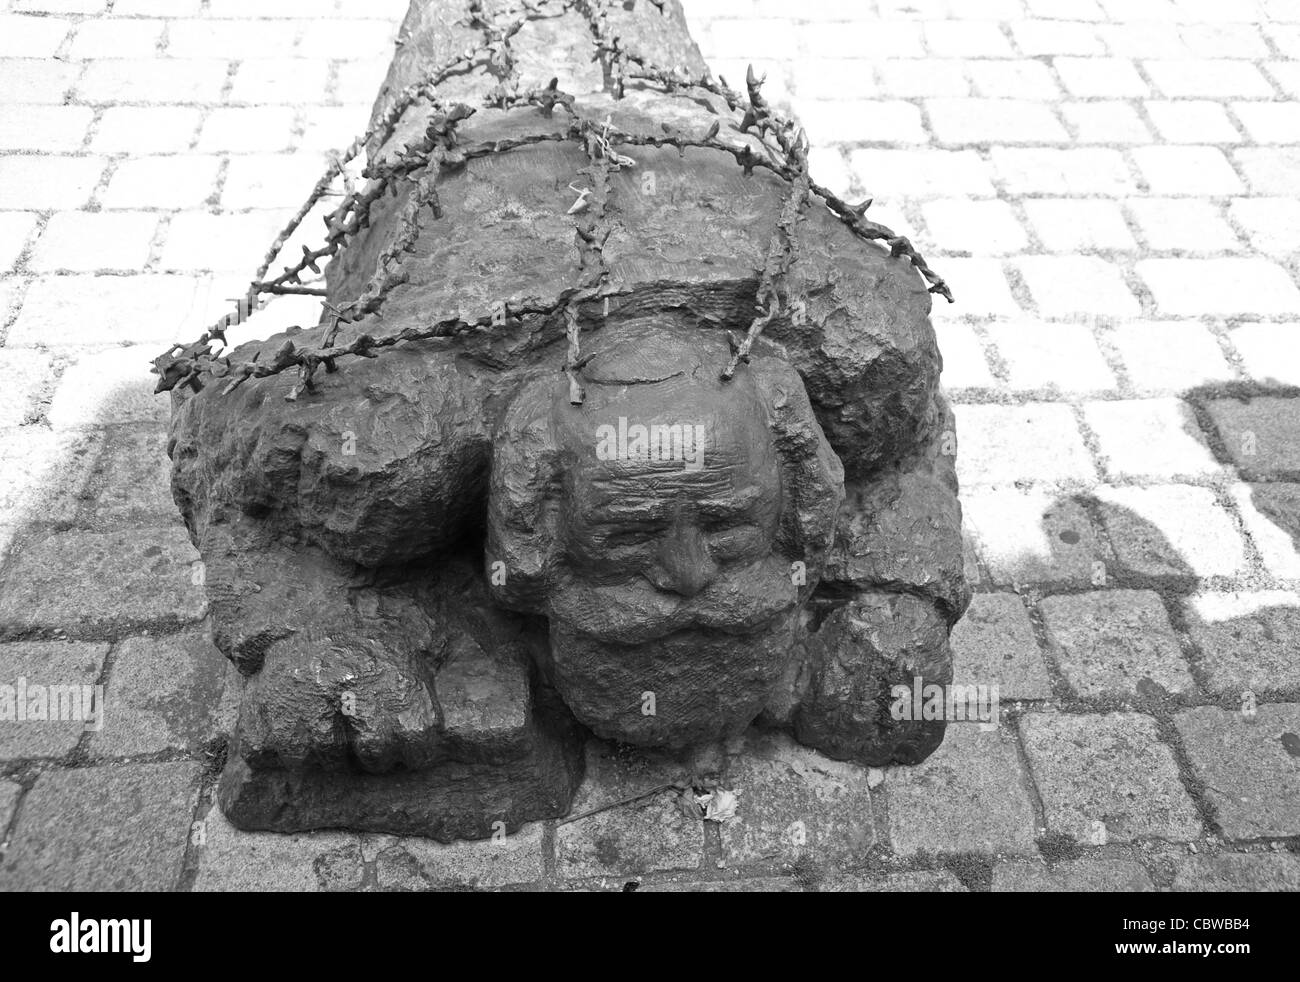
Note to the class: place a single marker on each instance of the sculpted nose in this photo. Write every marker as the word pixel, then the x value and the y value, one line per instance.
pixel 683 564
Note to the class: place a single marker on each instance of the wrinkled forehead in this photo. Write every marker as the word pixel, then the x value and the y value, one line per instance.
pixel 681 433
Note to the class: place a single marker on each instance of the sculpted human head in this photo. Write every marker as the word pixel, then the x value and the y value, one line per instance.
pixel 670 529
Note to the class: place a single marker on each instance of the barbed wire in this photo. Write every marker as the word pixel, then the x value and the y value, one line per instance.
pixel 420 165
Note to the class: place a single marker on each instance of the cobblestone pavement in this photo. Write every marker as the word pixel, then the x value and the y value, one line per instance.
pixel 1109 186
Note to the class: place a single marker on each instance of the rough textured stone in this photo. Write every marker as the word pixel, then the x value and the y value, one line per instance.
pixel 417 864
pixel 1107 778
pixel 162 694
pixel 672 595
pixel 1170 530
pixel 1261 435
pixel 794 802
pixel 486 759
pixel 9 793
pixel 760 884
pixel 994 645
pixel 1115 642
pixel 859 654
pixel 1281 504
pixel 103 828
pixel 1238 873
pixel 1036 537
pixel 970 796
pixel 1246 641
pixel 131 480
pixel 92 584
pixel 929 881
pixel 231 860
pixel 1075 876
pixel 47 664
pixel 644 836
pixel 1248 766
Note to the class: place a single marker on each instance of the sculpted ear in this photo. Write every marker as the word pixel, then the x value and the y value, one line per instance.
pixel 524 493
pixel 812 474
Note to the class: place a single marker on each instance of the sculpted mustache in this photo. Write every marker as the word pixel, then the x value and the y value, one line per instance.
pixel 631 613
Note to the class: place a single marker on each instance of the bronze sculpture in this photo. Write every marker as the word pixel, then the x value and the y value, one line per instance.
pixel 599 429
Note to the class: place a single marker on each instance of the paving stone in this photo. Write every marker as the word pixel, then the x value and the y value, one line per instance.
pixel 1075 876
pixel 42 474
pixel 88 241
pixel 1192 121
pixel 1150 438
pixel 1105 122
pixel 970 795
pixel 1280 502
pixel 97 584
pixel 1107 778
pixel 36 80
pixel 113 80
pixel 1018 79
pixel 1273 224
pixel 1077 286
pixel 1115 642
pixel 1072 225
pixel 994 645
pixel 231 859
pixel 1188 225
pixel 1049 171
pixel 1057 357
pixel 642 837
pixel 923 881
pixel 131 479
pixel 792 802
pixel 9 793
pixel 1235 873
pixel 1036 537
pixel 103 829
pixel 983 286
pixel 1273 534
pixel 1262 435
pixel 107 388
pixel 73 313
pixel 162 694
pixel 43 128
pixel 175 181
pixel 756 884
pixel 24 376
pixel 994 121
pixel 1035 441
pixel 964 364
pixel 28 664
pixel 911 78
pixel 47 181
pixel 1248 766
pixel 1208 77
pixel 146 129
pixel 1270 170
pixel 1168 357
pixel 1171 530
pixel 1219 286
pixel 977 227
pixel 1246 640
pixel 924 173
pixel 421 864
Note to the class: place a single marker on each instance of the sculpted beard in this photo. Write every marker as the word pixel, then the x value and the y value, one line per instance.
pixel 740 602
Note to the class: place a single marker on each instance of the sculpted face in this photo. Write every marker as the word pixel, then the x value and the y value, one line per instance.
pixel 672 583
